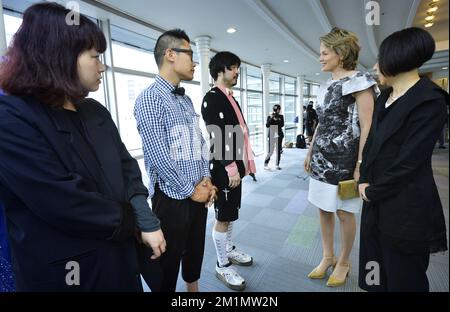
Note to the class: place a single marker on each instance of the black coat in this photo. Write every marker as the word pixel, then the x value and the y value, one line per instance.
pixel 228 145
pixel 65 200
pixel 277 121
pixel 404 201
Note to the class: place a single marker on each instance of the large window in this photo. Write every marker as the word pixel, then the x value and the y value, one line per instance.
pixel 310 92
pixel 289 116
pixel 132 51
pixel 290 113
pixel 128 88
pixel 290 85
pixel 274 99
pixel 129 57
pixel 255 109
pixel 274 83
pixel 255 120
pixel 194 91
pixel 254 78
pixel 12 24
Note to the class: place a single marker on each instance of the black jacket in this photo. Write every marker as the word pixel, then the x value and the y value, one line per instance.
pixel 66 200
pixel 404 201
pixel 277 121
pixel 227 146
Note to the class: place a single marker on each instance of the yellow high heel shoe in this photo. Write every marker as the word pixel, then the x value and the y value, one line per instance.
pixel 316 274
pixel 333 281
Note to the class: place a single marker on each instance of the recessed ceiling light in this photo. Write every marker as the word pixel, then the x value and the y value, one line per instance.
pixel 428 25
pixel 286 61
pixel 231 30
pixel 317 74
pixel 445 68
pixel 433 7
pixel 434 1
pixel 429 18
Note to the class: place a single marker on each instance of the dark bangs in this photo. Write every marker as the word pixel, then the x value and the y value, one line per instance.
pixel 87 36
pixel 405 50
pixel 220 61
pixel 42 60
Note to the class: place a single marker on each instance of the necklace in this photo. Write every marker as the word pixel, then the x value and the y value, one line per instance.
pixel 391 99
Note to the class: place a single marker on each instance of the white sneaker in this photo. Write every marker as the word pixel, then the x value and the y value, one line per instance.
pixel 240 258
pixel 266 167
pixel 230 277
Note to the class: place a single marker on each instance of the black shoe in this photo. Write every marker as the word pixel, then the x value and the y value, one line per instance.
pixel 253 176
pixel 442 147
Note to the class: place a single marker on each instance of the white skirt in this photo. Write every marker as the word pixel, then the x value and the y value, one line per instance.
pixel 325 196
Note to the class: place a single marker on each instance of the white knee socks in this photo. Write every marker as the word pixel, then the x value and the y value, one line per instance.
pixel 220 241
pixel 229 233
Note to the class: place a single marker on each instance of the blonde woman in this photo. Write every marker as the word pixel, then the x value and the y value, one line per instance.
pixel 345 106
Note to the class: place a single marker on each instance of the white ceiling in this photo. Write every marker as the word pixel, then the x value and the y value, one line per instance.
pixel 270 31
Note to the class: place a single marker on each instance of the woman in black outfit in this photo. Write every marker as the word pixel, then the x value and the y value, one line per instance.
pixel 402 221
pixel 72 193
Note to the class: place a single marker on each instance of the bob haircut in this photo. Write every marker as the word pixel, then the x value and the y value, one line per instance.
pixel 43 59
pixel 405 50
pixel 345 44
pixel 220 61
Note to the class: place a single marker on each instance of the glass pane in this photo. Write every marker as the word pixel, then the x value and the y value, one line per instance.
pixel 289 110
pixel 197 73
pixel 129 87
pixel 99 95
pixel 194 91
pixel 274 83
pixel 129 57
pixel 254 78
pixel 289 116
pixel 290 134
pixel 255 121
pixel 12 24
pixel 315 89
pixel 195 56
pixel 274 99
pixel 237 96
pixel 289 85
pixel 306 89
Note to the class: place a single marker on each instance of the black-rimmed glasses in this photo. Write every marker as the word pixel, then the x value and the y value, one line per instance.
pixel 187 51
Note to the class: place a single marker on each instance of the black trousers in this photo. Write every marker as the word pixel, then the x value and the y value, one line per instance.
pixel 398 271
pixel 274 145
pixel 183 223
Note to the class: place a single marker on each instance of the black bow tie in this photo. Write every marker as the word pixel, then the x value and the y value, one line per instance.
pixel 178 91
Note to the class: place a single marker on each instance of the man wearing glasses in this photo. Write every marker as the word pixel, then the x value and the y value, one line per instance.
pixel 180 184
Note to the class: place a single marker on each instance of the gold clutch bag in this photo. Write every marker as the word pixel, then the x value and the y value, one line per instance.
pixel 348 189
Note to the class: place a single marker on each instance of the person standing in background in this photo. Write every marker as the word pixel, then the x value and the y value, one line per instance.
pixel 275 135
pixel 311 121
